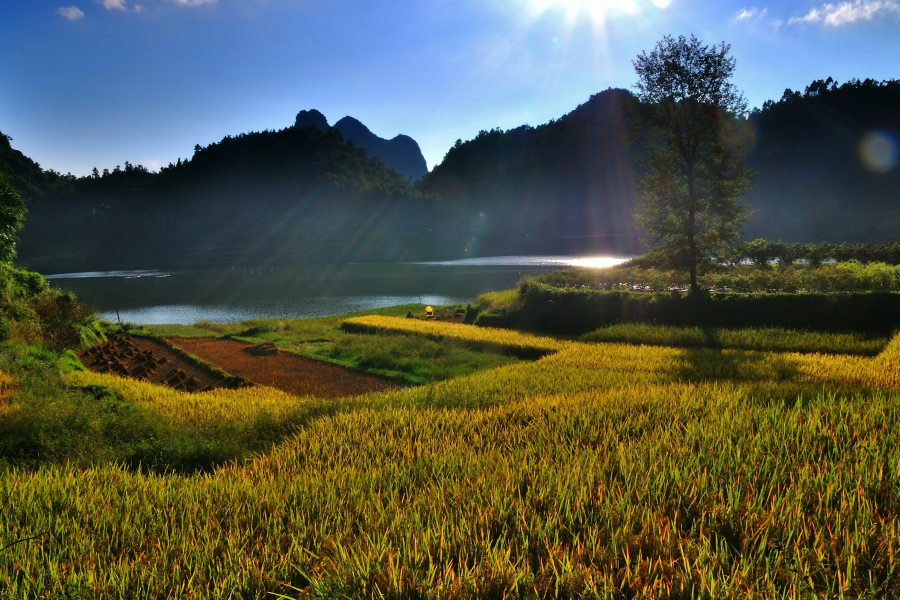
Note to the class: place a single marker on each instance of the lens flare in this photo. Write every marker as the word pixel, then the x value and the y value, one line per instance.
pixel 879 151
pixel 597 10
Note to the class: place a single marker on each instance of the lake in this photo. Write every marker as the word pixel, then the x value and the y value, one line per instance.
pixel 230 295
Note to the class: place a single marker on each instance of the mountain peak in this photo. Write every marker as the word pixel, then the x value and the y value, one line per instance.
pixel 311 118
pixel 401 153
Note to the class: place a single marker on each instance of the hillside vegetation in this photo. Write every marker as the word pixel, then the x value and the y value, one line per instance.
pixel 572 179
pixel 564 187
pixel 271 197
pixel 600 470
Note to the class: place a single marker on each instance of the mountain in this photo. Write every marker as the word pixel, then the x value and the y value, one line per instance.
pixel 311 118
pixel 271 197
pixel 816 182
pixel 33 182
pixel 826 162
pixel 400 153
pixel 565 187
pixel 571 181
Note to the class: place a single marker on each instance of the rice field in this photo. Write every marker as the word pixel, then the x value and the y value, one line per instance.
pixel 602 470
pixel 766 339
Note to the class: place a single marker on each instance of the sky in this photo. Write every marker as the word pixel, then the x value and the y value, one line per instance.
pixel 87 83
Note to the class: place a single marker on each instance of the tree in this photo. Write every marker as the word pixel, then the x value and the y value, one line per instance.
pixel 12 214
pixel 689 116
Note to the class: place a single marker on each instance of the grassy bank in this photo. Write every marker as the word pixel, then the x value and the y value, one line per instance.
pixel 410 359
pixel 601 470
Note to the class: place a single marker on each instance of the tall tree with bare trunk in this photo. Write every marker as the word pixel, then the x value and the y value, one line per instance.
pixel 690 119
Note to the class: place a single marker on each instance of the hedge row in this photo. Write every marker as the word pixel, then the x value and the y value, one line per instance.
pixel 575 311
pixel 761 252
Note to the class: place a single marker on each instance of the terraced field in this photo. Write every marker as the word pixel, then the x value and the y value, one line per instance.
pixel 600 470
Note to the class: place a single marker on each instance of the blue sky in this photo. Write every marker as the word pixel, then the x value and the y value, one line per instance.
pixel 88 83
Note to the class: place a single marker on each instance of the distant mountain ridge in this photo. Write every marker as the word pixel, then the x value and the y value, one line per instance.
pixel 297 195
pixel 401 153
pixel 306 194
pixel 564 187
pixel 576 175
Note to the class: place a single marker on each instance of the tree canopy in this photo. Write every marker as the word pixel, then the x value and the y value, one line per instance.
pixel 12 215
pixel 688 115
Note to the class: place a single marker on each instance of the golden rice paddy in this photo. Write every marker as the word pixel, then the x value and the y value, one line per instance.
pixel 598 471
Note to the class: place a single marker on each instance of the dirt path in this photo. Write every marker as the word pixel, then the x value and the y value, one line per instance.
pixel 289 372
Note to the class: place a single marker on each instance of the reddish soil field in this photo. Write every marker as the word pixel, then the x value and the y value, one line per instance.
pixel 154 361
pixel 289 372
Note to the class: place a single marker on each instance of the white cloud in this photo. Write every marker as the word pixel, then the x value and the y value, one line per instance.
pixel 151 164
pixel 844 13
pixel 777 24
pixel 749 13
pixel 193 2
pixel 72 13
pixel 113 4
pixel 138 8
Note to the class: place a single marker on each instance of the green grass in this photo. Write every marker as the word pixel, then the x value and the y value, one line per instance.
pixel 411 359
pixel 492 300
pixel 766 339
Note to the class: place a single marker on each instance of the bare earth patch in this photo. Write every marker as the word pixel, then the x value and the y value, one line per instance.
pixel 289 372
pixel 154 361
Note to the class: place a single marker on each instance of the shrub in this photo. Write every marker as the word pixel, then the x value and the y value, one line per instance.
pixel 576 311
pixel 33 313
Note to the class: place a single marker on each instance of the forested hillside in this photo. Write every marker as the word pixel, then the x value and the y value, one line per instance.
pixel 567 185
pixel 816 182
pixel 258 198
pixel 823 158
pixel 573 178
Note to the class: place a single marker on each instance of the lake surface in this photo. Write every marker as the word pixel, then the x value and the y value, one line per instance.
pixel 229 295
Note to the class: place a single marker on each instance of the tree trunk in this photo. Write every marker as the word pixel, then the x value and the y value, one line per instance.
pixel 692 243
pixel 692 249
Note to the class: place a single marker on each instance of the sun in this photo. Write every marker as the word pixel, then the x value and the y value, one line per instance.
pixel 596 10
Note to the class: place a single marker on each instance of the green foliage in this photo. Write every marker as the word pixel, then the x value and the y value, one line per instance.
pixel 579 310
pixel 764 253
pixel 687 113
pixel 496 299
pixel 410 358
pixel 763 339
pixel 12 215
pixel 32 312
pixel 69 362
pixel 849 276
